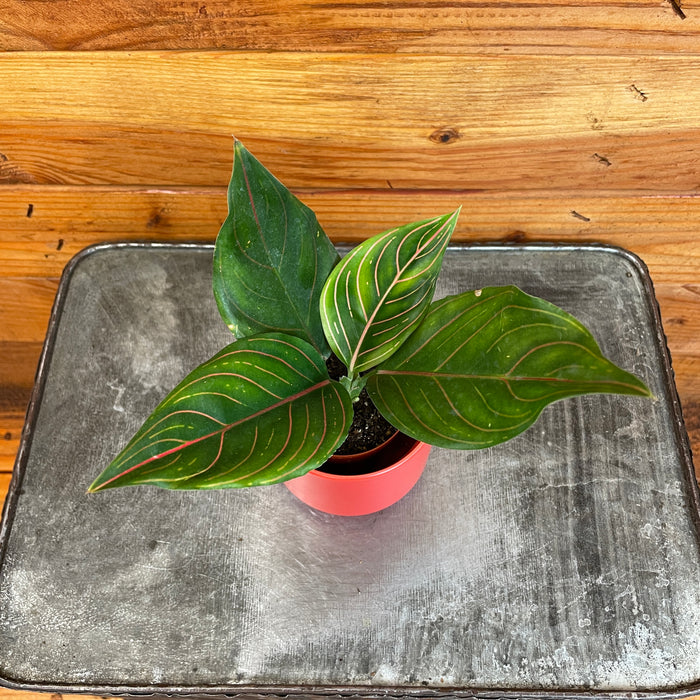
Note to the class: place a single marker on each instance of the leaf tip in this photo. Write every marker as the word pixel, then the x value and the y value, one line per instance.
pixel 646 392
pixel 636 386
pixel 454 215
pixel 98 484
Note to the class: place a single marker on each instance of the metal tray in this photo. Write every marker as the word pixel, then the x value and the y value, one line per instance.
pixel 562 563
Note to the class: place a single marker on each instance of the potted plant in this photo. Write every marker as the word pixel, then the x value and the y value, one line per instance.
pixel 465 372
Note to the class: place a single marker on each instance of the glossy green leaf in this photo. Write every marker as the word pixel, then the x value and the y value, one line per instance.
pixel 262 410
pixel 271 258
pixel 483 365
pixel 377 294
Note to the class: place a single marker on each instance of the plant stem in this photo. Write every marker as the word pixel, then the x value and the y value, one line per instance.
pixel 354 385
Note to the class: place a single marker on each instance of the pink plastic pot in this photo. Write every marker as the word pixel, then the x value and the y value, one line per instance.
pixel 392 472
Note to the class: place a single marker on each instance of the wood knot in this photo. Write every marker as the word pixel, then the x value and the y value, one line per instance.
pixel 515 237
pixel 156 218
pixel 445 135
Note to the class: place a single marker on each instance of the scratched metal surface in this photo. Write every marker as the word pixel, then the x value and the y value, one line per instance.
pixel 565 560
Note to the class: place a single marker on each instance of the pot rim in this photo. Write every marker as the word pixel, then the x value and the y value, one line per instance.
pixel 369 475
pixel 357 456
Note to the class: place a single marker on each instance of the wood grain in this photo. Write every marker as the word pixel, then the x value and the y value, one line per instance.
pixel 609 156
pixel 353 120
pixel 661 228
pixel 351 25
pixel 17 369
pixel 9 694
pixel 4 485
pixel 24 312
pixel 11 422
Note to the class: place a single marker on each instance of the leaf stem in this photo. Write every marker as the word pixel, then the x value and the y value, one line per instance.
pixel 354 383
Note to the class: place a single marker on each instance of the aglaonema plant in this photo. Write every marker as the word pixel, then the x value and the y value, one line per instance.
pixel 468 371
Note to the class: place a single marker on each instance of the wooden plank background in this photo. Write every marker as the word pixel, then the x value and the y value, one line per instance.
pixel 518 26
pixel 554 121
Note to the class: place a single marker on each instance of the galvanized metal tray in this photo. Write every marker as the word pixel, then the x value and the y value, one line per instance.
pixel 563 563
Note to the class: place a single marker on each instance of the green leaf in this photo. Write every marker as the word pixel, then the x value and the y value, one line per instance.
pixel 483 365
pixel 262 410
pixel 377 294
pixel 271 258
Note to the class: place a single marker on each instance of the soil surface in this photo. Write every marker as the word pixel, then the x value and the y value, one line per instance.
pixel 369 428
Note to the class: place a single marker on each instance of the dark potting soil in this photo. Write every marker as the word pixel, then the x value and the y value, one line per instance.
pixel 369 428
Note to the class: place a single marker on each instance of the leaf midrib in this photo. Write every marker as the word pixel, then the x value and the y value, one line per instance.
pixel 499 377
pixel 397 277
pixel 306 326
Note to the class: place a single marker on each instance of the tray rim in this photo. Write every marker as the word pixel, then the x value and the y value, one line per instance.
pixel 348 691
